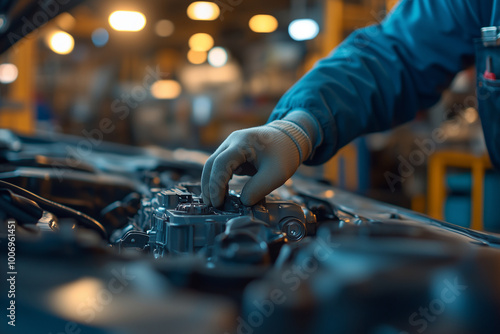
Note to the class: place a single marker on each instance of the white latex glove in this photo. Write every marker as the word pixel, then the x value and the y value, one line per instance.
pixel 270 154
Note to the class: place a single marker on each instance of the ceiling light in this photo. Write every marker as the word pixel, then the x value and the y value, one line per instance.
pixel 61 42
pixel 303 29
pixel 217 57
pixel 201 42
pixel 263 23
pixel 123 20
pixel 203 11
pixel 166 89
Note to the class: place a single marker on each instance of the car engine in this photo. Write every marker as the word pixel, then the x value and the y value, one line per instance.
pixel 176 221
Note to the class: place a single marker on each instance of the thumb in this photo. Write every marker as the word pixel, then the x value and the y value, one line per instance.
pixel 261 184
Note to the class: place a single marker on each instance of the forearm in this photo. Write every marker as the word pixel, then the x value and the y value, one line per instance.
pixel 382 75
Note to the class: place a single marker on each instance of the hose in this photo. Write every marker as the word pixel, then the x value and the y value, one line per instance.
pixel 58 209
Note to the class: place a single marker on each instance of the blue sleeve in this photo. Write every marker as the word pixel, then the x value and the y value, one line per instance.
pixel 381 75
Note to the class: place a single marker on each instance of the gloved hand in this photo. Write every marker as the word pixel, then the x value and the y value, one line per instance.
pixel 270 154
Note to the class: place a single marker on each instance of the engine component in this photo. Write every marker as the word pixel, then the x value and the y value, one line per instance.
pixel 176 221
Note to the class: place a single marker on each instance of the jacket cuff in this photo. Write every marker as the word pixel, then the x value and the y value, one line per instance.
pixel 297 134
pixel 326 143
pixel 308 123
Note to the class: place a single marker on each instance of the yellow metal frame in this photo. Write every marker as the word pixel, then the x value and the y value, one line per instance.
pixel 341 16
pixel 22 91
pixel 438 163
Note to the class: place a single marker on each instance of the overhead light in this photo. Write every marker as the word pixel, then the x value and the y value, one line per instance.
pixel 263 23
pixel 123 20
pixel 164 28
pixel 303 29
pixel 65 21
pixel 197 57
pixel 61 42
pixel 8 73
pixel 201 42
pixel 100 37
pixel 166 89
pixel 217 57
pixel 203 11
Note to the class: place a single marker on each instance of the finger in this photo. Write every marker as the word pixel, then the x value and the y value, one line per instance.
pixel 205 180
pixel 222 170
pixel 268 178
pixel 205 175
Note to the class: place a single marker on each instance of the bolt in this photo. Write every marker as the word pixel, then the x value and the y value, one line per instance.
pixel 294 229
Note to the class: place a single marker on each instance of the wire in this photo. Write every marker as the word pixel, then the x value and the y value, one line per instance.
pixel 58 209
pixel 21 214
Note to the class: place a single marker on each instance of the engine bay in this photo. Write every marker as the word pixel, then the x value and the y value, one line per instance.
pixel 122 243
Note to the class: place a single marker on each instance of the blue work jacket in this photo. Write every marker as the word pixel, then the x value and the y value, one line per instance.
pixel 381 75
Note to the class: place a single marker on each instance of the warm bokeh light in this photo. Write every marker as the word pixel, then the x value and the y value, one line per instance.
pixel 263 23
pixel 203 11
pixel 67 299
pixel 217 57
pixel 8 73
pixel 303 29
pixel 123 20
pixel 164 28
pixel 166 89
pixel 61 42
pixel 65 21
pixel 196 79
pixel 197 57
pixel 201 42
pixel 100 37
